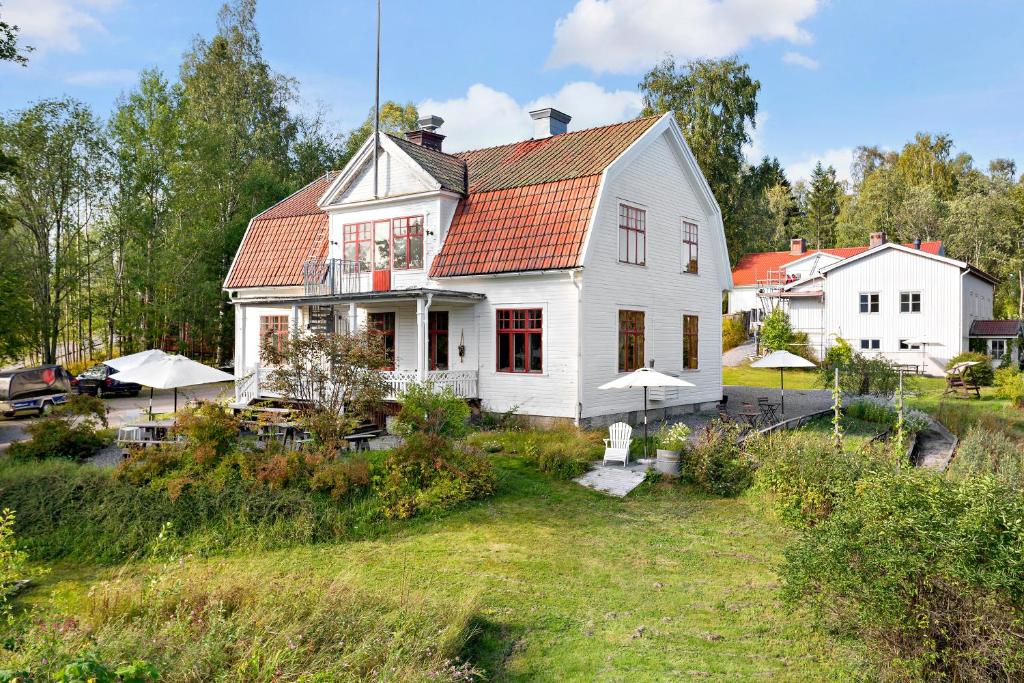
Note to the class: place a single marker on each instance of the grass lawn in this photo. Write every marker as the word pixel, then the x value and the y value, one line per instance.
pixel 571 584
pixel 744 375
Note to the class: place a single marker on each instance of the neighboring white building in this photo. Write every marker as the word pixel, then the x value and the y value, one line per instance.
pixel 908 303
pixel 524 275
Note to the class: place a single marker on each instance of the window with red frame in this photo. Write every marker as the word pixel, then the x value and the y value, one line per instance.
pixel 690 346
pixel 273 331
pixel 689 247
pixel 437 340
pixel 383 325
pixel 631 340
pixel 520 340
pixel 358 245
pixel 407 242
pixel 632 235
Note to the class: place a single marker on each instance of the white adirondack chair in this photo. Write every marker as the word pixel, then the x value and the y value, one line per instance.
pixel 616 446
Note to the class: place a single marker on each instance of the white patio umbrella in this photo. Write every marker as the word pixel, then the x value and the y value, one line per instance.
pixel 646 378
pixel 134 360
pixel 782 360
pixel 173 372
pixel 924 341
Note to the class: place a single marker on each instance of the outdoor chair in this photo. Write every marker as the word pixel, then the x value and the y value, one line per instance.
pixel 616 446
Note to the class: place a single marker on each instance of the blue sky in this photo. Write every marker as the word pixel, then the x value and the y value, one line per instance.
pixel 834 74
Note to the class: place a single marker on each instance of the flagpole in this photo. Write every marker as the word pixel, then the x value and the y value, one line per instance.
pixel 376 108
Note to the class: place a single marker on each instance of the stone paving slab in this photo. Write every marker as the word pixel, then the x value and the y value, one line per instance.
pixel 615 480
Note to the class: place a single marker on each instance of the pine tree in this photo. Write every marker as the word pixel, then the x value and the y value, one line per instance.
pixel 822 206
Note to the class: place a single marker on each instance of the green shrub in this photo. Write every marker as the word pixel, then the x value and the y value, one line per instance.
pixel 776 331
pixel 1009 383
pixel 733 333
pixel 425 408
pixel 428 473
pixel 716 463
pixel 872 411
pixel 806 475
pixel 928 571
pixel 986 452
pixel 73 430
pixel 983 373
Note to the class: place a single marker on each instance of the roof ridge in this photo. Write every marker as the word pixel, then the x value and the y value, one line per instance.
pixel 570 133
pixel 329 176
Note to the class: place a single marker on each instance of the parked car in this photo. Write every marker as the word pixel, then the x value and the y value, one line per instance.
pixel 97 381
pixel 33 390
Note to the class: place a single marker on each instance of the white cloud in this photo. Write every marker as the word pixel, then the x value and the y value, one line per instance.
pixel 800 59
pixel 624 36
pixel 56 24
pixel 485 116
pixel 103 77
pixel 841 159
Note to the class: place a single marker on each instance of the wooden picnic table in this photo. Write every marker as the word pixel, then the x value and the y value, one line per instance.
pixel 361 441
pixel 144 433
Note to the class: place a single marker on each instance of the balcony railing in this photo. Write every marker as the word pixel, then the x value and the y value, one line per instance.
pixel 328 277
pixel 462 382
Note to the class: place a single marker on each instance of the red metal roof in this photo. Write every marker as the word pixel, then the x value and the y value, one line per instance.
pixel 754 267
pixel 996 328
pixel 280 239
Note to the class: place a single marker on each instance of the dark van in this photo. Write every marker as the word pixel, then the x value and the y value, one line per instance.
pixel 33 390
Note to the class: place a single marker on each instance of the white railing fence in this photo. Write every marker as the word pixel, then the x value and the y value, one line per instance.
pixel 463 382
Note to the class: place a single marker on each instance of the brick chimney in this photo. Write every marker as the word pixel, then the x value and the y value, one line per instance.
pixel 426 134
pixel 797 246
pixel 877 239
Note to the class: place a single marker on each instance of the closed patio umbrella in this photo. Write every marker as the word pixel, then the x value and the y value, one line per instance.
pixel 646 378
pixel 782 360
pixel 173 372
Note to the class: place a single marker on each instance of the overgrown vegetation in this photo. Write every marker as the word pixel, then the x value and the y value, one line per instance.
pixel 989 452
pixel 733 332
pixel 860 374
pixel 564 451
pixel 73 430
pixel 716 462
pixel 927 570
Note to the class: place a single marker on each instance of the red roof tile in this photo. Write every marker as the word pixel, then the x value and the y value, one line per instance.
pixel 539 227
pixel 280 239
pixel 996 328
pixel 754 267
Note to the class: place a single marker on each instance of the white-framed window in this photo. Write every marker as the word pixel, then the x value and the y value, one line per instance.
pixel 870 344
pixel 996 348
pixel 910 302
pixel 906 345
pixel 869 302
pixel 690 233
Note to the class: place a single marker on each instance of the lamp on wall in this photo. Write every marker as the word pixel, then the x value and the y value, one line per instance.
pixel 462 344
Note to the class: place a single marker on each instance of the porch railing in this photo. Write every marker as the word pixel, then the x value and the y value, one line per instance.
pixel 327 277
pixel 463 382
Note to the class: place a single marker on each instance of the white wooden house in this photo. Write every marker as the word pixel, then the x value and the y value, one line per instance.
pixel 907 302
pixel 524 275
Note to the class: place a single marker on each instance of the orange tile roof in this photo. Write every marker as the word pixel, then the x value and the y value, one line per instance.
pixel 280 239
pixel 529 202
pixel 535 227
pixel 754 267
pixel 527 207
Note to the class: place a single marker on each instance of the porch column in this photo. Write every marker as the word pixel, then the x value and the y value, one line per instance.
pixel 295 320
pixel 421 347
pixel 352 317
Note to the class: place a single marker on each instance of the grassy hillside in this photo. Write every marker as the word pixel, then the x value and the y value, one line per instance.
pixel 546 581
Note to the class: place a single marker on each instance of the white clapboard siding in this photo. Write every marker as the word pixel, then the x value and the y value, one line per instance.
pixel 654 180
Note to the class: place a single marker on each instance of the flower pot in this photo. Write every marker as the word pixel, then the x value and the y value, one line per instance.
pixel 668 462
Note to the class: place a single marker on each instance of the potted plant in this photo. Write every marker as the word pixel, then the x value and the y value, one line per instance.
pixel 670 440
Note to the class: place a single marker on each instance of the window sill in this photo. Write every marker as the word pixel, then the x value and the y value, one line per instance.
pixel 634 265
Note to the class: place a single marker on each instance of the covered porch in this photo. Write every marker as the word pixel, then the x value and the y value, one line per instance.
pixel 428 334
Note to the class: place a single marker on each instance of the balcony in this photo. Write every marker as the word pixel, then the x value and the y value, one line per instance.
pixel 332 277
pixel 462 382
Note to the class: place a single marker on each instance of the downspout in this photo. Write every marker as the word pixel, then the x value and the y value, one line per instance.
pixel 574 279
